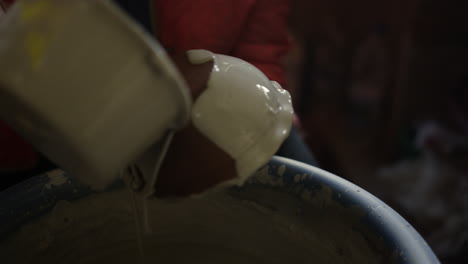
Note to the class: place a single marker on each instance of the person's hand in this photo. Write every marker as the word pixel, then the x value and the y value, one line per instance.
pixel 193 163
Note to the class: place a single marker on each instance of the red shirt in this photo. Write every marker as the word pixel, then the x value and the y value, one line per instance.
pixel 253 30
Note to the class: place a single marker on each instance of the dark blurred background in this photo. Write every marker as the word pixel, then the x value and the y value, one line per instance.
pixel 382 96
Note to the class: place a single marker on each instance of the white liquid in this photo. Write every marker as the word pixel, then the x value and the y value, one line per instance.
pixel 217 228
pixel 139 219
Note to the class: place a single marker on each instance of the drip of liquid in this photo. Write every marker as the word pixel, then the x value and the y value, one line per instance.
pixel 139 202
pixel 146 219
pixel 142 223
pixel 137 217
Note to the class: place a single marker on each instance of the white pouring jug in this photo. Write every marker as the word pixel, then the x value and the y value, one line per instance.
pixel 86 85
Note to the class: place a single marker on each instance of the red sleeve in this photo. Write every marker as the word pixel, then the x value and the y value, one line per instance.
pixel 265 39
pixel 15 153
pixel 253 30
pixel 201 24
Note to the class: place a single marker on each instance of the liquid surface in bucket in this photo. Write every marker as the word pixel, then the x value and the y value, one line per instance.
pixel 258 226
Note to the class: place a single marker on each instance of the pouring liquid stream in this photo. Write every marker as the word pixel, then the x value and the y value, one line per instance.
pixel 142 224
pixel 139 201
